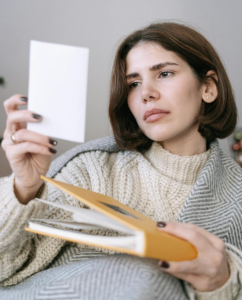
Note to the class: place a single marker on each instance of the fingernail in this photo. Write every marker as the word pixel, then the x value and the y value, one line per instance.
pixel 25 99
pixel 53 142
pixel 52 150
pixel 36 116
pixel 161 224
pixel 164 264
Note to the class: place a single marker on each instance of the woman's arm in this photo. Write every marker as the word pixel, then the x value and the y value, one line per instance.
pixel 15 242
pixel 22 253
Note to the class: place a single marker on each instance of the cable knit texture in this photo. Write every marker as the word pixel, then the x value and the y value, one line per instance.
pixel 156 184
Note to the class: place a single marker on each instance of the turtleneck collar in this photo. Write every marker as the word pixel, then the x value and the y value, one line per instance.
pixel 183 169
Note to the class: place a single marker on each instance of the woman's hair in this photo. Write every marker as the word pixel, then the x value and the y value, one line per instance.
pixel 216 119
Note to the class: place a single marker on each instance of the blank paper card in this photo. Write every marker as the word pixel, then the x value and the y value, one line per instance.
pixel 58 89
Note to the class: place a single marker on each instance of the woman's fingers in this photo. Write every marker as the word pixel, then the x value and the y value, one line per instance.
pixel 189 233
pixel 20 116
pixel 197 236
pixel 28 147
pixel 189 277
pixel 13 102
pixel 183 267
pixel 213 239
pixel 24 135
pixel 206 265
pixel 203 274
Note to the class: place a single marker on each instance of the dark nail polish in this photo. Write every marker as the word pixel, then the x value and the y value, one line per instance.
pixel 36 116
pixel 25 99
pixel 52 150
pixel 53 142
pixel 161 224
pixel 164 265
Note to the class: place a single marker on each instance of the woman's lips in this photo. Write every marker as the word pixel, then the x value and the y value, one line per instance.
pixel 154 115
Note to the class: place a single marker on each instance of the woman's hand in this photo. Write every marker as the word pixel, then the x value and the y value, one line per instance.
pixel 30 153
pixel 209 271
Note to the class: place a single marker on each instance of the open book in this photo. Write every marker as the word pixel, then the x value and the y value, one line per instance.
pixel 142 237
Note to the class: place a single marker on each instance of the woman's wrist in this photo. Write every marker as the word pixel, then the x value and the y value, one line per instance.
pixel 228 291
pixel 25 195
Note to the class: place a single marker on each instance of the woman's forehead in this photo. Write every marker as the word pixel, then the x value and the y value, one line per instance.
pixel 146 55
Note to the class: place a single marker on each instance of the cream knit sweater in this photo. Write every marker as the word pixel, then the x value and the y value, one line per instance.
pixel 155 183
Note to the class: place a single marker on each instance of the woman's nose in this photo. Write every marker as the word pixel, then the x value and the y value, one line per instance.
pixel 149 93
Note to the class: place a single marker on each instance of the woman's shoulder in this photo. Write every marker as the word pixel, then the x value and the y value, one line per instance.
pixel 226 162
pixel 223 172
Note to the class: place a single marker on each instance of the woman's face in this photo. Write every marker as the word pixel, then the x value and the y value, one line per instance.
pixel 164 94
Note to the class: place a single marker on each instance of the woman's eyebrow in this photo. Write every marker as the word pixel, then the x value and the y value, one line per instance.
pixel 153 68
pixel 132 75
pixel 162 65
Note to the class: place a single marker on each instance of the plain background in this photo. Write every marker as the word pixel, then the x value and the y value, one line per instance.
pixel 101 26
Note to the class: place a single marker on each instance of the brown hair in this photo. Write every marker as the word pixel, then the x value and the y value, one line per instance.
pixel 216 119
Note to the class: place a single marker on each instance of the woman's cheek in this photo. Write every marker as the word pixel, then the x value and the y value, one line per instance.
pixel 134 108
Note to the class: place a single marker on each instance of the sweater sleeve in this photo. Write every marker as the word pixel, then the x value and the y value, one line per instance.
pixel 229 291
pixel 22 253
pixel 15 242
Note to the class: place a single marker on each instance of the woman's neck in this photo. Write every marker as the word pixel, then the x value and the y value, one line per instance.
pixel 186 146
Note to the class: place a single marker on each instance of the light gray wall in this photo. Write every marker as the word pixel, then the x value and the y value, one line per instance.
pixel 101 25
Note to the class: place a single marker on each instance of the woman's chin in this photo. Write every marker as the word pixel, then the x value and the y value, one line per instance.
pixel 158 137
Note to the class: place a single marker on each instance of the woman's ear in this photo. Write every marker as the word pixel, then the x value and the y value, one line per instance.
pixel 210 91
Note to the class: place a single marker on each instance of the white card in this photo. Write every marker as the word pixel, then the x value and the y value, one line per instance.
pixel 57 90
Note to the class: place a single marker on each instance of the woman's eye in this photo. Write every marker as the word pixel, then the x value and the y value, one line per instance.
pixel 165 74
pixel 133 85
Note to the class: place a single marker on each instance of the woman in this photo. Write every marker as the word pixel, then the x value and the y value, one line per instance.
pixel 170 99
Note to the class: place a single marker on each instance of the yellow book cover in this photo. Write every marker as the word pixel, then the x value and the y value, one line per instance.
pixel 143 237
